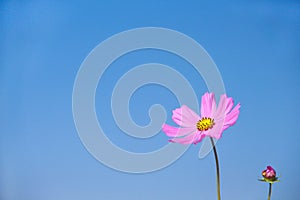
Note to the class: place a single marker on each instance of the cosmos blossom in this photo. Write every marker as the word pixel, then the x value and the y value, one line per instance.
pixel 212 121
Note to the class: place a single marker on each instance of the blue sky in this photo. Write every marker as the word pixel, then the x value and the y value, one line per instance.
pixel 43 43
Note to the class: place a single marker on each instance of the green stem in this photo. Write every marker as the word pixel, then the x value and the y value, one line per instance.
pixel 270 191
pixel 218 169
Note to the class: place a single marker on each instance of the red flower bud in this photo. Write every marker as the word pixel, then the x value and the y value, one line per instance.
pixel 269 173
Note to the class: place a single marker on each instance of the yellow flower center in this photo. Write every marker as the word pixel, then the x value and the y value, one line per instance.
pixel 205 123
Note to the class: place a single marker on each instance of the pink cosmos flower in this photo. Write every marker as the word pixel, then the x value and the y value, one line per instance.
pixel 212 122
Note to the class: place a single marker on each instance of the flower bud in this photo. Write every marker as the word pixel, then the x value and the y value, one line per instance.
pixel 269 174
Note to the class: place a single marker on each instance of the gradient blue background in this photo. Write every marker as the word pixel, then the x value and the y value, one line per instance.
pixel 255 45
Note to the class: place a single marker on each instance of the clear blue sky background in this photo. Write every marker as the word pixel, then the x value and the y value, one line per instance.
pixel 255 45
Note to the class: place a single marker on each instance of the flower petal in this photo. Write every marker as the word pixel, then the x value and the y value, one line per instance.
pixel 229 105
pixel 220 112
pixel 216 131
pixel 200 136
pixel 224 107
pixel 177 132
pixel 232 117
pixel 189 139
pixel 208 104
pixel 185 117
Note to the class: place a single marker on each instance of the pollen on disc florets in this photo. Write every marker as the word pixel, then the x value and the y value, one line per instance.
pixel 205 123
